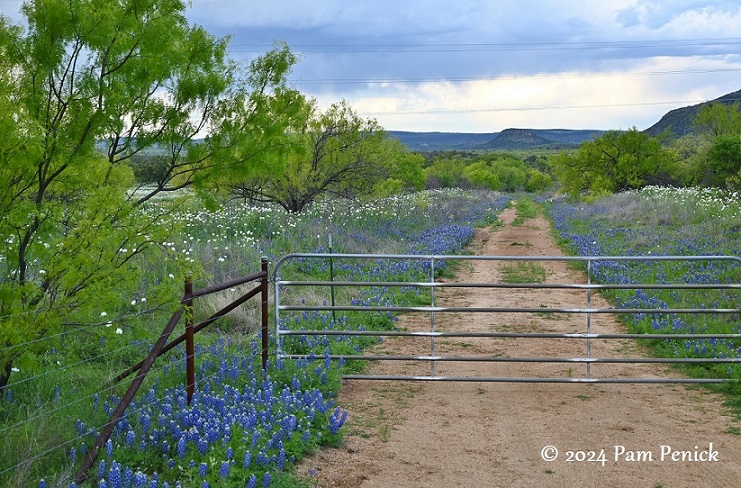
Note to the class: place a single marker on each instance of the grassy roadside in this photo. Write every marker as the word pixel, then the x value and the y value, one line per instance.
pixel 643 224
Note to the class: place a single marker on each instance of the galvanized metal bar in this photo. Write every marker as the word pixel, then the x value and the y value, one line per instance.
pixel 432 315
pixel 588 336
pixel 503 359
pixel 589 317
pixel 276 299
pixel 533 335
pixel 451 257
pixel 393 308
pixel 547 286
pixel 506 379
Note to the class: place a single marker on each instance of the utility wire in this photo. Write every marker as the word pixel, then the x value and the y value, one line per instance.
pixel 493 46
pixel 381 81
pixel 532 109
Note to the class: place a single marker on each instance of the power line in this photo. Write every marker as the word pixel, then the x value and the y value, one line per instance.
pixel 359 81
pixel 532 109
pixel 493 46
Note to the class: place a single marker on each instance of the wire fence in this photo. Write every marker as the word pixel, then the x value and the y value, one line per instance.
pixel 42 404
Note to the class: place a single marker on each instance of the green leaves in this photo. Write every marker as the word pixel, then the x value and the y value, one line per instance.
pixel 617 161
pixel 130 72
pixel 332 152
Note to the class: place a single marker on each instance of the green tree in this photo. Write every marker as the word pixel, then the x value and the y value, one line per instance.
pixel 512 173
pixel 615 162
pixel 481 175
pixel 135 75
pixel 718 119
pixel 404 170
pixel 723 162
pixel 537 181
pixel 334 152
pixel 446 172
pixel 716 162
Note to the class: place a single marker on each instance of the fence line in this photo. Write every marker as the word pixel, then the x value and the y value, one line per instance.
pixel 162 343
pixel 144 366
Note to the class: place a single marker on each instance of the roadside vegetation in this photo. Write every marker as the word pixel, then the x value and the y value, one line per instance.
pixel 670 222
pixel 245 427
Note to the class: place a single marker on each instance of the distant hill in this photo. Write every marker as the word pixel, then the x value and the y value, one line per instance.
pixel 516 139
pixel 679 121
pixel 508 139
pixel 513 139
pixel 441 141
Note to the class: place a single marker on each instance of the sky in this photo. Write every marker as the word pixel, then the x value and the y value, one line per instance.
pixel 484 66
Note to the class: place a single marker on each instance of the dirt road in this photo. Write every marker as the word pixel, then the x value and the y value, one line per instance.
pixel 411 434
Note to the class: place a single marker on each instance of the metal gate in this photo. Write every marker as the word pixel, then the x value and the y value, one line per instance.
pixel 297 301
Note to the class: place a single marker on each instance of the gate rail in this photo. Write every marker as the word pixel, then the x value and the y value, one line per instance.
pixel 432 309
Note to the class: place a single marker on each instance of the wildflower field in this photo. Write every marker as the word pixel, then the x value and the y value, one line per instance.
pixel 245 427
pixel 670 222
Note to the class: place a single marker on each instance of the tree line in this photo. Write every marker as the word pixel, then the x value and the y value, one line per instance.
pixel 626 160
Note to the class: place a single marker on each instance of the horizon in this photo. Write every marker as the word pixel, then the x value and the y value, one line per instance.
pixel 481 67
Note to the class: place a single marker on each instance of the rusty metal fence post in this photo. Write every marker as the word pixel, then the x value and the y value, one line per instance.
pixel 264 312
pixel 161 346
pixel 105 434
pixel 190 351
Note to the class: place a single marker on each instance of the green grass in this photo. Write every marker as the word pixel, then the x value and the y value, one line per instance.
pixel 526 209
pixel 523 272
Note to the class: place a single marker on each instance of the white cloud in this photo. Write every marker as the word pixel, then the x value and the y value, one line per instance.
pixel 589 100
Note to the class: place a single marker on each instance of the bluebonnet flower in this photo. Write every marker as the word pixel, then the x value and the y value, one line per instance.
pixel 224 469
pixel 114 475
pixel 181 447
pixel 140 479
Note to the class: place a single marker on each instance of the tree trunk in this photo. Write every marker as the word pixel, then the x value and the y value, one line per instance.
pixel 4 378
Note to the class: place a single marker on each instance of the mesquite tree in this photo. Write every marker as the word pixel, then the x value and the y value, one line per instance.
pixel 88 86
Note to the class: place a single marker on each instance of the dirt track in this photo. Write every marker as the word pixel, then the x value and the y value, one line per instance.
pixel 412 434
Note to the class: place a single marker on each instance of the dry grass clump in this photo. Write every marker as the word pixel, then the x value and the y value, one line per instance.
pixel 244 320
